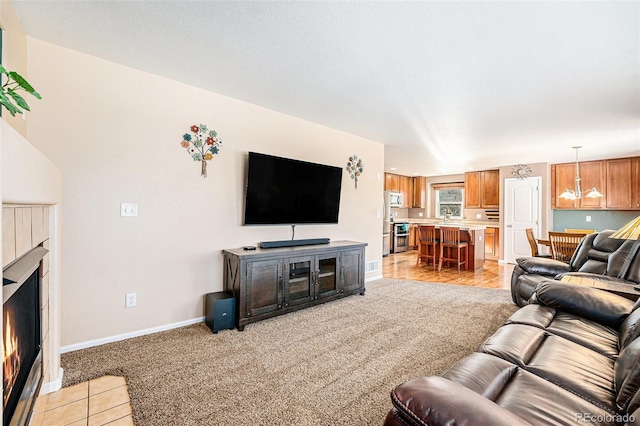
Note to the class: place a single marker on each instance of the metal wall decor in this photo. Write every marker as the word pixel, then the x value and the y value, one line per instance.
pixel 202 144
pixel 521 171
pixel 355 167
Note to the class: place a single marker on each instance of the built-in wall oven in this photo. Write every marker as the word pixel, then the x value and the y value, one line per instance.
pixel 400 237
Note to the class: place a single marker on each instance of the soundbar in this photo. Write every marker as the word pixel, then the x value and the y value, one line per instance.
pixel 293 243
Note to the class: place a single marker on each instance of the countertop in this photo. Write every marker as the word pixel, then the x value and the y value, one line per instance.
pixel 466 224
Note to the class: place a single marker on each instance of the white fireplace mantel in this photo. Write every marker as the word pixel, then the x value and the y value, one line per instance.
pixel 30 179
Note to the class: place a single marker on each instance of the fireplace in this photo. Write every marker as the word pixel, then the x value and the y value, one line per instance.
pixel 21 341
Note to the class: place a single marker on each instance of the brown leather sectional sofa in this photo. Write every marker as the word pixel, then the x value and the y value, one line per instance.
pixel 571 358
pixel 597 257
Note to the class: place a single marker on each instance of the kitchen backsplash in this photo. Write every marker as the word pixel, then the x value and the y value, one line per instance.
pixel 469 214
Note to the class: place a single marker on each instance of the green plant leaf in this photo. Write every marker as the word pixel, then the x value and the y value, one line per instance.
pixel 3 70
pixel 18 99
pixel 21 82
pixel 6 102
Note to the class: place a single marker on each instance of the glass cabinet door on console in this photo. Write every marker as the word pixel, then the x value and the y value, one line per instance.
pixel 264 294
pixel 299 286
pixel 326 276
pixel 351 270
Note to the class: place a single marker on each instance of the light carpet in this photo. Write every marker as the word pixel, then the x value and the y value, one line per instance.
pixel 330 364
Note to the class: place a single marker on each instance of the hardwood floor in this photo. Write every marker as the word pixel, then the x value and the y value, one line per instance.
pixel 403 266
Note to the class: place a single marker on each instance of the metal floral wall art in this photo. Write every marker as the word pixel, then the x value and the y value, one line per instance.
pixel 521 171
pixel 202 144
pixel 355 167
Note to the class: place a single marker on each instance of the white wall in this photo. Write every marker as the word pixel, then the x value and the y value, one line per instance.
pixel 115 134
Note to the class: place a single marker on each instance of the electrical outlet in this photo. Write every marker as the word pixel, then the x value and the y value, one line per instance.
pixel 130 300
pixel 588 218
pixel 478 215
pixel 420 214
pixel 128 210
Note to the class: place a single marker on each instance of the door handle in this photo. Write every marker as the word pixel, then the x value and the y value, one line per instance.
pixel 509 226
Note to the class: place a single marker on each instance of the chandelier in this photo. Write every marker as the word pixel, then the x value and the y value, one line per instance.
pixel 576 193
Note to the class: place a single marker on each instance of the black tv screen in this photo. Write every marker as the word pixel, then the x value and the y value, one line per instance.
pixel 285 191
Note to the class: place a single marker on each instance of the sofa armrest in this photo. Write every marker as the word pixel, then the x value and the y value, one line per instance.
pixel 543 266
pixel 587 302
pixel 597 277
pixel 437 401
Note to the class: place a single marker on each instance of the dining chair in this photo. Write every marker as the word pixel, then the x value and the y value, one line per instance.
pixel 580 231
pixel 427 245
pixel 534 245
pixel 449 244
pixel 564 244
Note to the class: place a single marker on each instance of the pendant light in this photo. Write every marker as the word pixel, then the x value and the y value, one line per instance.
pixel 576 193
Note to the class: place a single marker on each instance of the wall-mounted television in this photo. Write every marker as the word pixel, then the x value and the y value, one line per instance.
pixel 286 191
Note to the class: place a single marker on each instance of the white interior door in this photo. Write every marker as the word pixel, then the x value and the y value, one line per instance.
pixel 522 211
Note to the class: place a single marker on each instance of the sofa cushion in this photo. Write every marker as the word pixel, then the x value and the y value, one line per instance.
pixel 558 360
pixel 528 396
pixel 587 333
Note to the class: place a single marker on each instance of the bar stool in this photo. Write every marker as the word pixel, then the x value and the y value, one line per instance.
pixel 427 245
pixel 450 240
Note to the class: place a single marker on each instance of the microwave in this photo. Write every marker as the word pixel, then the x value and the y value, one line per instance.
pixel 395 199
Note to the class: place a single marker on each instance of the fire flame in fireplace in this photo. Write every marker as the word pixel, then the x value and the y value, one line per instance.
pixel 11 358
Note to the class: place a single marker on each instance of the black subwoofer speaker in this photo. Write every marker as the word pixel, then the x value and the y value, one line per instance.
pixel 220 311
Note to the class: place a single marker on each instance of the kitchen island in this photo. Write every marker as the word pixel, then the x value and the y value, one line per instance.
pixel 474 234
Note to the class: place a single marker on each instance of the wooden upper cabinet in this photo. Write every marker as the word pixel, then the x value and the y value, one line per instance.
pixel 391 182
pixel 406 189
pixel 482 189
pixel 490 187
pixel 622 183
pixel 401 184
pixel 563 176
pixel 472 190
pixel 420 192
pixel 592 175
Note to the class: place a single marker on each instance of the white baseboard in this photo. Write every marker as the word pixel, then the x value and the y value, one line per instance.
pixel 377 277
pixel 53 386
pixel 117 338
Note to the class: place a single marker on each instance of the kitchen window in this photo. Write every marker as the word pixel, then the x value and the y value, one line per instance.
pixel 449 199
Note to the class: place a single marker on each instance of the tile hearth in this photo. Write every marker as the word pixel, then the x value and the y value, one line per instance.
pixel 102 401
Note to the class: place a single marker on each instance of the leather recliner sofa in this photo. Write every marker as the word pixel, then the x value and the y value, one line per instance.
pixel 572 358
pixel 596 257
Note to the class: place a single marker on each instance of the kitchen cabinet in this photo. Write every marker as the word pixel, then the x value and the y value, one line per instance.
pixel 482 189
pixel 622 189
pixel 406 189
pixel 391 182
pixel 492 243
pixel 592 174
pixel 419 192
pixel 413 189
pixel 271 282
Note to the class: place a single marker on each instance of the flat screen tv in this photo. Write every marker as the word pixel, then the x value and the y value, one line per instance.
pixel 286 191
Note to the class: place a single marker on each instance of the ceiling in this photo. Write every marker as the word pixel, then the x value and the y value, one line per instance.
pixel 446 86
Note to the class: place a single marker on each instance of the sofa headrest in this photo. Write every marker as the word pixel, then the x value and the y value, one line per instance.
pixel 599 254
pixel 631 269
